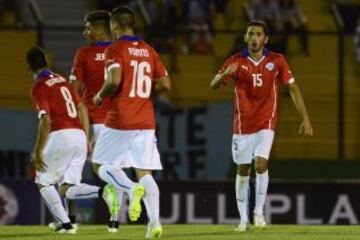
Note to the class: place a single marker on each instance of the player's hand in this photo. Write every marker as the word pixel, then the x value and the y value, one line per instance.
pixel 97 100
pixel 231 68
pixel 306 129
pixel 38 162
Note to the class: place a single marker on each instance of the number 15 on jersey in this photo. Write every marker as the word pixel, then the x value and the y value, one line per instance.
pixel 257 79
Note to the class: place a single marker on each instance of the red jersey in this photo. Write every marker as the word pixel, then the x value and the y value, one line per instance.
pixel 88 68
pixel 54 95
pixel 256 90
pixel 132 107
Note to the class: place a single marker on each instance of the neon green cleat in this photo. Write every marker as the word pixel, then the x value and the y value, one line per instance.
pixel 154 231
pixel 259 221
pixel 110 197
pixel 136 194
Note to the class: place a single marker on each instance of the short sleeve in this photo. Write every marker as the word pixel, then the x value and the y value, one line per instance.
pixel 285 74
pixel 40 100
pixel 226 64
pixel 160 70
pixel 77 70
pixel 112 58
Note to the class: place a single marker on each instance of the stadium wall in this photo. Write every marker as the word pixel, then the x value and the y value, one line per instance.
pixel 308 202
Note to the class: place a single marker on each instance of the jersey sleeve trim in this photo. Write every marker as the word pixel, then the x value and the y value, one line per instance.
pixel 41 112
pixel 291 80
pixel 72 77
pixel 113 65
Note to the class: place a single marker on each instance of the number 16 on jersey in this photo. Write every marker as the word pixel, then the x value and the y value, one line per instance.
pixel 141 83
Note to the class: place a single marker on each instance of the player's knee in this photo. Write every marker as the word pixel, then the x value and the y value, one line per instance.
pixel 261 165
pixel 63 188
pixel 244 169
pixel 95 168
pixel 141 173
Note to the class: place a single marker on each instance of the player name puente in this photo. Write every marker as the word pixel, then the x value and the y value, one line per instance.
pixel 55 80
pixel 138 52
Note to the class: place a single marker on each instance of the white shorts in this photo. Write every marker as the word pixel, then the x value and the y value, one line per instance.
pixel 64 154
pixel 95 130
pixel 127 148
pixel 247 146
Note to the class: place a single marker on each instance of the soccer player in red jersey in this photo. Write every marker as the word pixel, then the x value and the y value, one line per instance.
pixel 88 67
pixel 134 69
pixel 87 75
pixel 61 146
pixel 257 73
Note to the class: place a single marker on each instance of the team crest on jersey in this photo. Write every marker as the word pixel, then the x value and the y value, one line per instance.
pixel 270 66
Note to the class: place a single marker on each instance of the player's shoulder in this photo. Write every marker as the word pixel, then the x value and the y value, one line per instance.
pixel 235 57
pixel 83 49
pixel 116 44
pixel 89 49
pixel 150 48
pixel 38 86
pixel 114 47
pixel 276 56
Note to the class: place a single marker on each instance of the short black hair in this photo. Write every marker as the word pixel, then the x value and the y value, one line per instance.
pixel 124 16
pixel 36 58
pixel 99 18
pixel 258 23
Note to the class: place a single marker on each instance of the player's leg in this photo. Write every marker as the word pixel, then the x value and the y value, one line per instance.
pixel 56 208
pixel 118 178
pixel 70 186
pixel 110 200
pixel 109 155
pixel 70 207
pixel 86 191
pixel 152 203
pixel 145 158
pixel 46 180
pixel 242 150
pixel 263 144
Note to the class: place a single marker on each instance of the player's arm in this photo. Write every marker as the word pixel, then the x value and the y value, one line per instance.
pixel 84 117
pixel 163 84
pixel 78 86
pixel 110 85
pixel 77 71
pixel 42 136
pixel 296 96
pixel 220 77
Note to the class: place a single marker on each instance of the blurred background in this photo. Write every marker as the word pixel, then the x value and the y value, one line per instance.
pixel 313 181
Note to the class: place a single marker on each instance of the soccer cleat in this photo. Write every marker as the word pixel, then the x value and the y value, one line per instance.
pixel 113 226
pixel 110 197
pixel 56 225
pixel 259 221
pixel 154 231
pixel 136 194
pixel 242 227
pixel 65 228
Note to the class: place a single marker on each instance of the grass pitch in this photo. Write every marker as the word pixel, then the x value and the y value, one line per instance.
pixel 188 232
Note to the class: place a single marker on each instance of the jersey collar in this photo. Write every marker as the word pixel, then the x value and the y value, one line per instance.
pixel 43 73
pixel 130 38
pixel 246 54
pixel 102 44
